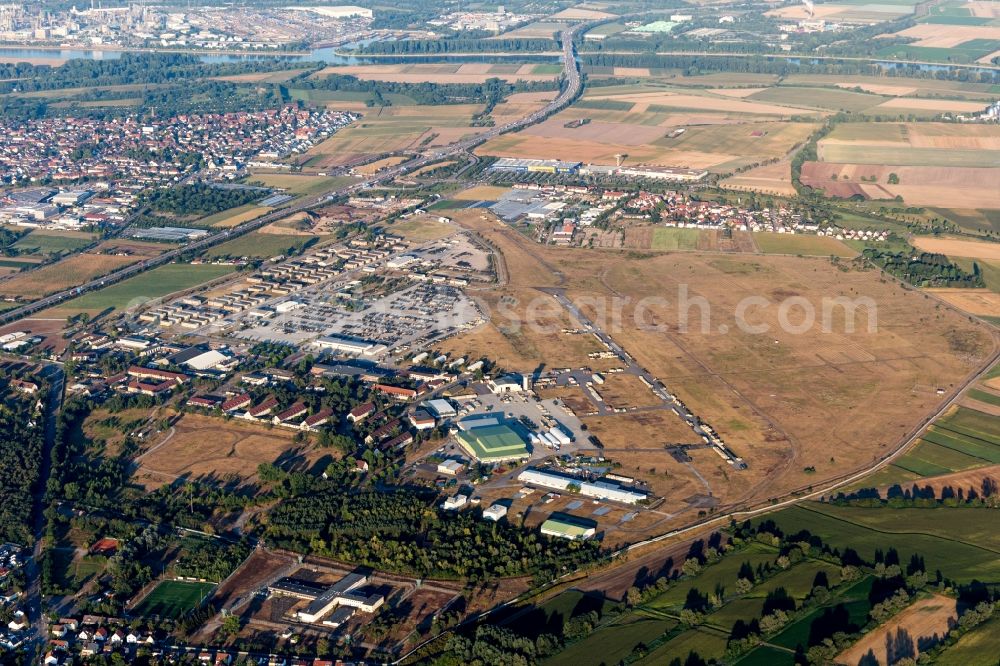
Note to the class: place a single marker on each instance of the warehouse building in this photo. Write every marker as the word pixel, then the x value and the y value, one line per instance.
pixel 493 444
pixel 535 166
pixel 605 490
pixel 565 527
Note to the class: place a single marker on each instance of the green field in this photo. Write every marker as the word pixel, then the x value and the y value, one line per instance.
pixel 806 244
pixel 708 644
pixel 145 286
pixel 721 574
pixel 670 238
pixel 613 642
pixel 979 647
pixel 959 541
pixel 300 184
pixel 46 242
pixel 831 99
pixel 173 598
pixel 963 53
pixel 261 246
pixel 854 598
pixel 985 396
pixel 767 656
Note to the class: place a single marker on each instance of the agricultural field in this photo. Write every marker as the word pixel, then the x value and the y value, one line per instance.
pixel 43 241
pixel 797 381
pixel 259 245
pixel 171 599
pixel 442 73
pixel 372 168
pixel 69 272
pixel 958 541
pixel 234 216
pixel 391 129
pixel 917 185
pixel 801 244
pixel 957 247
pixel 773 179
pixel 975 648
pixel 299 184
pixel 923 620
pixel 711 141
pixel 964 439
pixel 213 450
pixel 156 283
pixel 615 641
pixel 851 11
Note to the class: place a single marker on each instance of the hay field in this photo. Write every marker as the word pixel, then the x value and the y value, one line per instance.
pixel 580 14
pixel 481 193
pixel 773 179
pixel 536 30
pixel 980 302
pixel 722 146
pixel 437 73
pixel 955 247
pixel 804 244
pixel 915 144
pixel 644 101
pixel 948 36
pixel 830 99
pixel 924 619
pixel 236 216
pixel 214 450
pixel 771 396
pixel 69 272
pixel 372 168
pixel 905 104
pixel 918 185
pixel 393 129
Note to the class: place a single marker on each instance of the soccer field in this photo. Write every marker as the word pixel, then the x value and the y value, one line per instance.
pixel 173 598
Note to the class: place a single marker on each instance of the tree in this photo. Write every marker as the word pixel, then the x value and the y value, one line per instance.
pixel 893 179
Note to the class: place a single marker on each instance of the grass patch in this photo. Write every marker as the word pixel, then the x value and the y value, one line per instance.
pixel 613 642
pixel 708 644
pixel 822 246
pixel 855 600
pixel 984 396
pixel 173 598
pixel 46 242
pixel 234 216
pixel 256 245
pixel 958 541
pixel 152 284
pixel 669 238
pixel 721 574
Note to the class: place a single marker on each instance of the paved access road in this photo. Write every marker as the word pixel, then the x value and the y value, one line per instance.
pixel 571 89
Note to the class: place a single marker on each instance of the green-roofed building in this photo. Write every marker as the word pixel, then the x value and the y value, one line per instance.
pixel 497 443
pixel 566 529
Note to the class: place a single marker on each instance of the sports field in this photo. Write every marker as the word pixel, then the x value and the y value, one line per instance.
pixel 171 599
pixel 156 283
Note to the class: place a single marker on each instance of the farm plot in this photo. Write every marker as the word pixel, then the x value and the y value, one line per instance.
pixel 69 272
pixel 171 599
pixel 393 129
pixel 299 184
pixel 614 642
pixel 134 291
pixel 261 245
pixel 234 216
pixel 773 179
pixel 974 648
pixel 956 540
pixel 43 241
pixel 917 185
pixel 913 144
pixel 212 450
pixel 956 247
pixel 439 73
pixel 819 98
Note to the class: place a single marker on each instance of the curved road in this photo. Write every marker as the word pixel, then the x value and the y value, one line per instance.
pixel 572 84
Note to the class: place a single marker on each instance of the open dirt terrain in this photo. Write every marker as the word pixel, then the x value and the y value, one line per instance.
pixel 215 450
pixel 770 395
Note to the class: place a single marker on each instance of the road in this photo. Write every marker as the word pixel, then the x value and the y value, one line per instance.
pixel 54 375
pixel 571 87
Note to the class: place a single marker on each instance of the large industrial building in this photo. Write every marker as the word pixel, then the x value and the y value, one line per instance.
pixel 605 490
pixel 323 599
pixel 650 172
pixel 535 166
pixel 493 444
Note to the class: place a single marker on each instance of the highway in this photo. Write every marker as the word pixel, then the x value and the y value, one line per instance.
pixel 571 87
